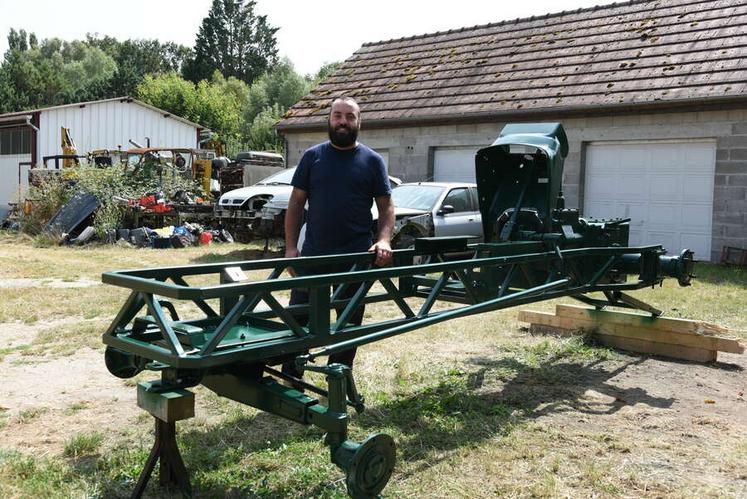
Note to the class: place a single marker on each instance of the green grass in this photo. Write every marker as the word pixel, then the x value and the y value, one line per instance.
pixel 28 476
pixel 82 444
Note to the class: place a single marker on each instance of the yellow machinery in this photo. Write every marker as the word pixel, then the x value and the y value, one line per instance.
pixel 202 167
pixel 68 147
pixel 202 162
pixel 197 162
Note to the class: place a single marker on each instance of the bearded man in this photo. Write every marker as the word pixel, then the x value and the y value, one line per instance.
pixel 340 179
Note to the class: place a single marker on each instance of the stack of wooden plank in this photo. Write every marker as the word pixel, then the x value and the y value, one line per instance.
pixel 677 338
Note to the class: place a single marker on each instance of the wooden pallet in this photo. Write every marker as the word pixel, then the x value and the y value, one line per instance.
pixel 677 338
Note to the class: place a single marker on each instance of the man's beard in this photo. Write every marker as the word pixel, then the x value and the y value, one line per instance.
pixel 342 136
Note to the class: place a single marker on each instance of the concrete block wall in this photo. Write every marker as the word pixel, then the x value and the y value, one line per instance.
pixel 411 153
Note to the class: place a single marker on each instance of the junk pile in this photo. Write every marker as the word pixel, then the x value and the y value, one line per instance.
pixel 182 236
pixel 155 203
pixel 185 235
pixel 152 202
pixel 73 223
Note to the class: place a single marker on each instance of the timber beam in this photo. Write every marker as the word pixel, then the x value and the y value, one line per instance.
pixel 675 338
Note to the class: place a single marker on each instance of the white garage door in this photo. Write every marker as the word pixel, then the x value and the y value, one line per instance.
pixel 454 164
pixel 666 188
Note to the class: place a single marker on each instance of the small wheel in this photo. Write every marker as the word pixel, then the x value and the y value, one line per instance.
pixel 685 267
pixel 122 364
pixel 371 466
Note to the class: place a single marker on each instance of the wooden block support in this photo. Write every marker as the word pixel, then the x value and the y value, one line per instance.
pixel 676 338
pixel 168 406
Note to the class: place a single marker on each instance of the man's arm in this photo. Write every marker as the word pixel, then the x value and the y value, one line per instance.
pixel 382 247
pixel 293 218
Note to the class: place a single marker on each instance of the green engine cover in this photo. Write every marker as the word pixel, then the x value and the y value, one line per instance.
pixel 522 169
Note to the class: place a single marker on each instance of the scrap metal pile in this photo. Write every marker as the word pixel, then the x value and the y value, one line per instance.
pixel 535 249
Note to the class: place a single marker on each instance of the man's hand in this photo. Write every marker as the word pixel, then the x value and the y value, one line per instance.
pixel 292 253
pixel 383 252
pixel 383 248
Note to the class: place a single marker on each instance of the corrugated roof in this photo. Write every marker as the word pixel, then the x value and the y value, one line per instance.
pixel 125 99
pixel 625 55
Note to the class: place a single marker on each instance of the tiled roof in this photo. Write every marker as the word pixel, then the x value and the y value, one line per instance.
pixel 627 55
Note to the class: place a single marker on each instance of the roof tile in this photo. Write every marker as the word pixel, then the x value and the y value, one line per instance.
pixel 635 53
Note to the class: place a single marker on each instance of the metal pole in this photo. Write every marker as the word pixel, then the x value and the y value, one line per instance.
pixel 473 309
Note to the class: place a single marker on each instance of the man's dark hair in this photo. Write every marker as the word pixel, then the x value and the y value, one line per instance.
pixel 345 98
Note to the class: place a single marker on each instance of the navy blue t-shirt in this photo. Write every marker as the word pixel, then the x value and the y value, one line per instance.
pixel 341 187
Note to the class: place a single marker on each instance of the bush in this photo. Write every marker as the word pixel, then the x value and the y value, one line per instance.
pixel 113 186
pixel 44 200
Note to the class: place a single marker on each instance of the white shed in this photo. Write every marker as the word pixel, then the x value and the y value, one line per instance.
pixel 28 136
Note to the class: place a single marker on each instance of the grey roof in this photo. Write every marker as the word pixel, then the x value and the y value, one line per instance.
pixel 617 56
pixel 125 99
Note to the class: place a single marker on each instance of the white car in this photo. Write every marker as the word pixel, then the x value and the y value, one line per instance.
pixel 240 210
pixel 251 199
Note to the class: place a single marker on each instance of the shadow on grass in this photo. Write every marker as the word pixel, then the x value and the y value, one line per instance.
pixel 464 409
pixel 267 456
pixel 721 274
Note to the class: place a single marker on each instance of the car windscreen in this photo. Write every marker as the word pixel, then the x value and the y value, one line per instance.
pixel 282 177
pixel 416 197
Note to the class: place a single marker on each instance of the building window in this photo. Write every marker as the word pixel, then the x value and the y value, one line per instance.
pixel 15 141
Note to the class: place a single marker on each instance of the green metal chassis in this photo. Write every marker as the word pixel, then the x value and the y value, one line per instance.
pixel 494 276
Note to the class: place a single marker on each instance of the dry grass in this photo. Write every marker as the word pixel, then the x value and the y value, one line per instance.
pixel 478 408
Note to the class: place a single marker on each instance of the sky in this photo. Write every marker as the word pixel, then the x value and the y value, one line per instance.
pixel 312 32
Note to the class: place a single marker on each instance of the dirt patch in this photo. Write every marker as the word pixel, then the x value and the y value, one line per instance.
pixel 49 399
pixel 16 334
pixel 52 399
pixel 680 425
pixel 48 283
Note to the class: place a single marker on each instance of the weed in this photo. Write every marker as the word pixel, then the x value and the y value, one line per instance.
pixel 27 415
pixel 83 444
pixel 75 408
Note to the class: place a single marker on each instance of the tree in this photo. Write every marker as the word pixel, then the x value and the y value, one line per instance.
pixel 327 69
pixel 137 58
pixel 169 92
pixel 52 72
pixel 232 86
pixel 234 41
pixel 262 135
pixel 84 67
pixel 17 40
pixel 212 104
pixel 35 76
pixel 281 86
